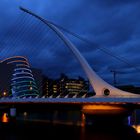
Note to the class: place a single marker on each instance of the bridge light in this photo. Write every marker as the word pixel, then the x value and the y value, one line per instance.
pixel 4 93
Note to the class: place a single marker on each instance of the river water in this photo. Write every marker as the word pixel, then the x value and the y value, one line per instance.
pixel 34 127
pixel 36 130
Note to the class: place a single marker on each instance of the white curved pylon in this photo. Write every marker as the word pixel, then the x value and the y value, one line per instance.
pixel 98 84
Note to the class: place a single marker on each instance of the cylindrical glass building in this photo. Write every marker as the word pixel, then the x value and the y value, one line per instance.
pixel 22 82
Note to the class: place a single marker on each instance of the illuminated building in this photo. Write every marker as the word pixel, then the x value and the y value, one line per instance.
pixel 50 87
pixel 22 79
pixel 38 76
pixel 73 86
pixel 65 86
pixel 5 79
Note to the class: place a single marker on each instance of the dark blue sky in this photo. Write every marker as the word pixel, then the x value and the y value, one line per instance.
pixel 109 24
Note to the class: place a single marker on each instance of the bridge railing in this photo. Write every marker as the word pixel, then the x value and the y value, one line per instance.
pixel 74 97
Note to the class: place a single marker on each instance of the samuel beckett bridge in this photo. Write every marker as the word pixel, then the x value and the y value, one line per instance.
pixel 107 98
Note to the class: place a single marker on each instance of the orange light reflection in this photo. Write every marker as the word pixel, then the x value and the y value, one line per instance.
pixel 137 128
pixel 5 118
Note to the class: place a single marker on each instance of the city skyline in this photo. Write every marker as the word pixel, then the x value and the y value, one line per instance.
pixel 112 25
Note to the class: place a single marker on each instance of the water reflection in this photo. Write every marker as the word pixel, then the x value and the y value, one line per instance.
pixel 137 128
pixel 122 132
pixel 36 130
pixel 5 118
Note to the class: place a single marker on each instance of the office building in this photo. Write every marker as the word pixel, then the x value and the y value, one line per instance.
pixel 65 86
pixel 22 80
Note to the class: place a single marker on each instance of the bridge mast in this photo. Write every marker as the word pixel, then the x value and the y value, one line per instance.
pixel 100 87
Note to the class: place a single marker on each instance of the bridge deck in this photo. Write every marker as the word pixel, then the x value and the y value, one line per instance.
pixel 93 100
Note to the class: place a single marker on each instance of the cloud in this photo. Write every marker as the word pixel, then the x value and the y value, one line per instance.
pixel 111 25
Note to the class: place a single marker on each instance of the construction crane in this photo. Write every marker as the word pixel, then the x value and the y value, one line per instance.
pixel 114 76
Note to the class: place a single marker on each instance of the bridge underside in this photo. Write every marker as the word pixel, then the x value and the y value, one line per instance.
pixel 89 107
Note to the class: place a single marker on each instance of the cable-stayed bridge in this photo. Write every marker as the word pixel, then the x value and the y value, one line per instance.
pixel 106 94
pixel 96 105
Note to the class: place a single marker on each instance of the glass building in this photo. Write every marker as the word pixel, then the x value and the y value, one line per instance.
pixel 22 81
pixel 65 86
